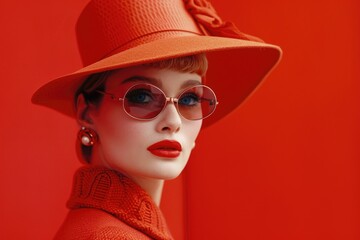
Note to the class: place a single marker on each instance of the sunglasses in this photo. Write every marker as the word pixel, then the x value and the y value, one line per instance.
pixel 146 101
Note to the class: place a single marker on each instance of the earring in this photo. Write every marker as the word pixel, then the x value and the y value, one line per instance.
pixel 87 136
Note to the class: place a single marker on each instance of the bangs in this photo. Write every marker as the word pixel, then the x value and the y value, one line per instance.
pixel 192 64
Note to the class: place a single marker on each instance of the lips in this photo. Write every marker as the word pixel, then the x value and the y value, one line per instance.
pixel 166 149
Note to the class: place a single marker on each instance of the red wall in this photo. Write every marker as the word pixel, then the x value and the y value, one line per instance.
pixel 284 166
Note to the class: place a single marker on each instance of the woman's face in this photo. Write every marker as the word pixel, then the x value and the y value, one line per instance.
pixel 157 148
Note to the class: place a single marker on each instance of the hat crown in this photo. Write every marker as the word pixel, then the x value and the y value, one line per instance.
pixel 106 27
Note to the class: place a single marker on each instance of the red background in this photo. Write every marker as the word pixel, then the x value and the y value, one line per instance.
pixel 283 166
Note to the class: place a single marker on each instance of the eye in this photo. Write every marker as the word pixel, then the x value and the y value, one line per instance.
pixel 142 96
pixel 189 99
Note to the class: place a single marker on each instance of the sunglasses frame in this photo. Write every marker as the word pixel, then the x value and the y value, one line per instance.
pixel 174 100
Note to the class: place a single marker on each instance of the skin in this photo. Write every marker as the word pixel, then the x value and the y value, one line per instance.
pixel 123 141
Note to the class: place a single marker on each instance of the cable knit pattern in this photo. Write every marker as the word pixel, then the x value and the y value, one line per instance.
pixel 107 205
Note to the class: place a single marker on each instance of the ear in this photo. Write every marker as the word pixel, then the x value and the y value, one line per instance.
pixel 83 115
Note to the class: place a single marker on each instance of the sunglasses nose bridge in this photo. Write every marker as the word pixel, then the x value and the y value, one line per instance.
pixel 172 100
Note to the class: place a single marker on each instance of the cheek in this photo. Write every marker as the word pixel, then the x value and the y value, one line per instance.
pixel 122 142
pixel 116 128
pixel 192 131
pixel 110 121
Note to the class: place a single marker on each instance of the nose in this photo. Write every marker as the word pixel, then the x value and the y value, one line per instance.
pixel 169 119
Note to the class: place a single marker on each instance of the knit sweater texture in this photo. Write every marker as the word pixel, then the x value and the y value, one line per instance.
pixel 107 205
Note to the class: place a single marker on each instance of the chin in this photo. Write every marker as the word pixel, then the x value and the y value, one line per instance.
pixel 167 173
pixel 170 176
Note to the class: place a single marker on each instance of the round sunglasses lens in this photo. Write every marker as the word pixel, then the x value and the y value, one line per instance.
pixel 197 103
pixel 144 101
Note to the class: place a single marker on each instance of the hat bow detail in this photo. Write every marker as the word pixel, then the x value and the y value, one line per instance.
pixel 210 22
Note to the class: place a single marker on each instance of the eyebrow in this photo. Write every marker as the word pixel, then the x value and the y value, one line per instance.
pixel 157 82
pixel 191 82
pixel 138 78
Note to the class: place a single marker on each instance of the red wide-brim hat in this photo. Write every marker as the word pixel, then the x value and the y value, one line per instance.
pixel 116 34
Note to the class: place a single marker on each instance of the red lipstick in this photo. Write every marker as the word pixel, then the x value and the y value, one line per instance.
pixel 166 149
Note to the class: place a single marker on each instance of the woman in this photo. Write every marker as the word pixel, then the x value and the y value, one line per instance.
pixel 140 102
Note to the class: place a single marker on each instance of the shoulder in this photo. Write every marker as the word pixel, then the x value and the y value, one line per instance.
pixel 94 224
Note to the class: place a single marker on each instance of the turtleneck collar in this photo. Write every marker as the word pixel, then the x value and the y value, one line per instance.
pixel 112 192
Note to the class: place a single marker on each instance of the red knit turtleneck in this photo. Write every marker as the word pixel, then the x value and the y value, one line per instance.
pixel 107 205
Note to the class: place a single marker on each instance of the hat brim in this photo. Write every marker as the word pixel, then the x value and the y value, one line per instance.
pixel 236 67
